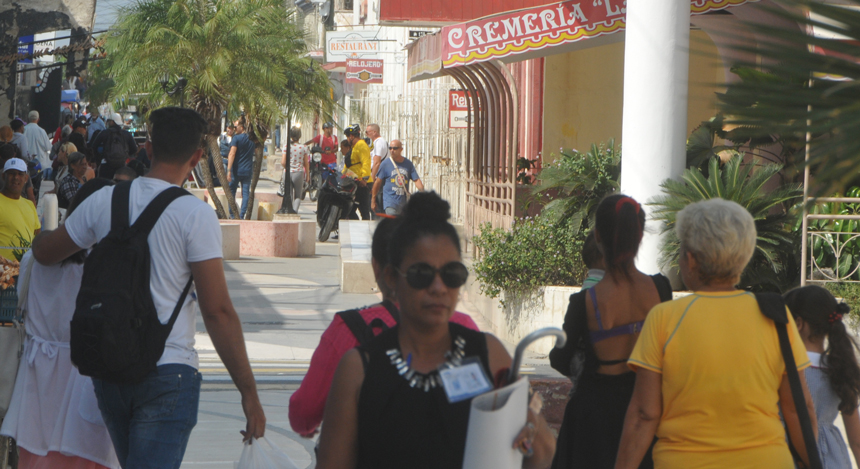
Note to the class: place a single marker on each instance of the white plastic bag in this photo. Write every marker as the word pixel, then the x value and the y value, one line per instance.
pixel 256 455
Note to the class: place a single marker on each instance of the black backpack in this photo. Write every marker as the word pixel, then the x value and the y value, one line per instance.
pixel 363 331
pixel 115 147
pixel 115 332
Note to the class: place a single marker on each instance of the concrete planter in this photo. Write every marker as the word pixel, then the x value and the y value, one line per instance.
pixel 526 314
pixel 520 316
pixel 294 238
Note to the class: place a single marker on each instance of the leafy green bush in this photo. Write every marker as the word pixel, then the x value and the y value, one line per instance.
pixel 545 250
pixel 582 180
pixel 535 252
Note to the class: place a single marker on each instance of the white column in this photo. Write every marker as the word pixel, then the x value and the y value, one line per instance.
pixel 654 128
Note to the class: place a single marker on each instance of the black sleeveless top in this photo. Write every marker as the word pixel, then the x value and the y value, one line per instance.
pixel 409 423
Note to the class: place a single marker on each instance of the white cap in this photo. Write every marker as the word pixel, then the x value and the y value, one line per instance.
pixel 116 118
pixel 16 164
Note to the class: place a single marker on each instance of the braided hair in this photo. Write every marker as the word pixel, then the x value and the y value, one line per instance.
pixel 818 308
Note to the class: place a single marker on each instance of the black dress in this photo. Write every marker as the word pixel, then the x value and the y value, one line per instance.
pixel 594 416
pixel 409 423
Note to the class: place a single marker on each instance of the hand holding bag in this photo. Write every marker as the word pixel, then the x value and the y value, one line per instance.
pixel 257 456
pixel 12 342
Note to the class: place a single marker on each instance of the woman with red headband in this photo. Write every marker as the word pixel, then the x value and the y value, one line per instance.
pixel 834 377
pixel 602 325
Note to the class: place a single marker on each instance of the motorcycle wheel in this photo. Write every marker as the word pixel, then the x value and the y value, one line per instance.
pixel 331 218
pixel 314 188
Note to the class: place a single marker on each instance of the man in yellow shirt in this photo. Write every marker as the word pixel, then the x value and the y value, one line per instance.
pixel 360 165
pixel 18 216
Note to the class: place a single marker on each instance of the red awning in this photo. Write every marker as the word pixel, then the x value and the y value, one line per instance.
pixel 529 33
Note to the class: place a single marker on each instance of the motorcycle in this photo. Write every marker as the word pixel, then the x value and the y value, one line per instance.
pixel 336 198
pixel 319 173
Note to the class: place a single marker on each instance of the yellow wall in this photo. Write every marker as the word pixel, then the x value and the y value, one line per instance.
pixel 583 94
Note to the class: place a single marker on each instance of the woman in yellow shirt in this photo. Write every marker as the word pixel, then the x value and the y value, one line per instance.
pixel 710 377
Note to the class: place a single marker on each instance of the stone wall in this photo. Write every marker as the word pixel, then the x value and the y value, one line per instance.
pixel 23 18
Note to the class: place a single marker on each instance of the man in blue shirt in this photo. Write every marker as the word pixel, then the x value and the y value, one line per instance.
pixel 94 124
pixel 393 180
pixel 239 165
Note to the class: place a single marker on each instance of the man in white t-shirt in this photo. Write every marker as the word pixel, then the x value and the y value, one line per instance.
pixel 150 422
pixel 378 149
pixel 378 154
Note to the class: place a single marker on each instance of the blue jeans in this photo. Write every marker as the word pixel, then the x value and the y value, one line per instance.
pixel 150 422
pixel 246 189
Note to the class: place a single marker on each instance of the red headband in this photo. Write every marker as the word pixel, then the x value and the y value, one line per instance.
pixel 626 200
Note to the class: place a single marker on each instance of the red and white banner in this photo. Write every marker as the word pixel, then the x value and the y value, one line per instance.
pixel 534 29
pixel 458 109
pixel 364 71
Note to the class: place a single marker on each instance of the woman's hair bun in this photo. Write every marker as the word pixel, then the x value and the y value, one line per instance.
pixel 427 206
pixel 843 308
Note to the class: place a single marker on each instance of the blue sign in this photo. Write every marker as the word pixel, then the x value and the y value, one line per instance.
pixel 24 48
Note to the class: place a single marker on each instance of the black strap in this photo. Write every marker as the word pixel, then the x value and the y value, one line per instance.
pixel 773 306
pixel 357 326
pixel 153 211
pixel 612 362
pixel 392 310
pixel 119 217
pixel 179 303
pixel 363 331
pixel 664 287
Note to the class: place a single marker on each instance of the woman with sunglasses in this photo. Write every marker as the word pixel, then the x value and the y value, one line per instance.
pixel 388 406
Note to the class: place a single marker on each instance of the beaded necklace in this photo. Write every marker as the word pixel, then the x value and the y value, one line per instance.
pixel 428 381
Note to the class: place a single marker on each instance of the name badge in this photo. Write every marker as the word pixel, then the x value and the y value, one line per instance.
pixel 465 381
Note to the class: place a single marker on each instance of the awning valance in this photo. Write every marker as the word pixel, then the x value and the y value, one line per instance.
pixel 528 33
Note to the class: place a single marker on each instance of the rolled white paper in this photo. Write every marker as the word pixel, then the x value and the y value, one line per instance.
pixel 50 212
pixel 495 419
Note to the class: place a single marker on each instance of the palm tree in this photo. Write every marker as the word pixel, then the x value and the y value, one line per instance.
pixel 744 184
pixel 247 53
pixel 808 84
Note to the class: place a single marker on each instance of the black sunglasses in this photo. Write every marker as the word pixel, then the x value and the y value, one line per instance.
pixel 395 148
pixel 421 275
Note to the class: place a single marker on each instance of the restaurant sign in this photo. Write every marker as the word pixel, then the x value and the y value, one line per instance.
pixel 531 30
pixel 364 71
pixel 343 45
pixel 458 109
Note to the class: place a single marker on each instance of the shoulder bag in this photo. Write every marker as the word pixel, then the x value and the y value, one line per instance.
pixel 773 306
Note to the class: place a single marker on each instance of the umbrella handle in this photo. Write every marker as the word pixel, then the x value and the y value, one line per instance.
pixel 560 340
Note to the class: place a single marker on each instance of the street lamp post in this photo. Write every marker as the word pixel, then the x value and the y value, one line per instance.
pixel 177 88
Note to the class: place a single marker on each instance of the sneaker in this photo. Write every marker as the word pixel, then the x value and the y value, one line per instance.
pixel 334 235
